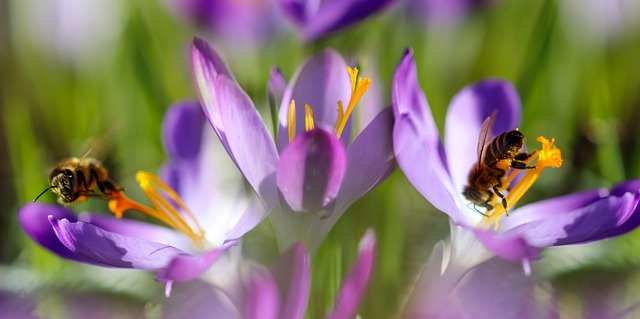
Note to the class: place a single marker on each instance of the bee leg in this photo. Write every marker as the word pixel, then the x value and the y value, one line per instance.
pixel 501 195
pixel 476 209
pixel 518 161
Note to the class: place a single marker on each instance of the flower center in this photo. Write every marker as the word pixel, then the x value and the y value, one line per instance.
pixel 167 207
pixel 359 85
pixel 549 155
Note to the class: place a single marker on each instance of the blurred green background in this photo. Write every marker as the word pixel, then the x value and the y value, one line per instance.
pixel 107 85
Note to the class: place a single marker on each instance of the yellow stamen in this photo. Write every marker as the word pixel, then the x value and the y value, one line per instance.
pixel 308 118
pixel 164 209
pixel 358 87
pixel 548 156
pixel 292 120
pixel 340 116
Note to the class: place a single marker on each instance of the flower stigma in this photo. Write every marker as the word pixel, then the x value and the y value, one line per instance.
pixel 548 156
pixel 168 207
pixel 359 86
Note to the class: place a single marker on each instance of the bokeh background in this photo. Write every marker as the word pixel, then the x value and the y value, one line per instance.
pixel 99 74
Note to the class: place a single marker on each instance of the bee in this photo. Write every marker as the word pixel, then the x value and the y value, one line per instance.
pixel 495 158
pixel 74 179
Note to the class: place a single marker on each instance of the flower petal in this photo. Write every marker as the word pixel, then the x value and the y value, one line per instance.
pixel 631 186
pixel 34 219
pixel 207 181
pixel 292 274
pixel 508 247
pixel 468 109
pixel 578 225
pixel 321 82
pixel 186 267
pixel 206 66
pixel 276 87
pixel 112 249
pixel 311 170
pixel 355 284
pixel 251 217
pixel 182 129
pixel 136 229
pixel 550 207
pixel 262 299
pixel 370 160
pixel 318 18
pixel 249 142
pixel 416 141
pixel 199 299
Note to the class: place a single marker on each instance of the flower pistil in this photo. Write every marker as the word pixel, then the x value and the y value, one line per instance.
pixel 168 207
pixel 548 156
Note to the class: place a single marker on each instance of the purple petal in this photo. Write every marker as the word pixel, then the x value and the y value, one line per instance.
pixel 249 142
pixel 321 82
pixel 416 142
pixel 199 299
pixel 631 186
pixel 508 247
pixel 262 299
pixel 370 160
pixel 311 170
pixel 356 283
pixel 318 18
pixel 494 289
pixel 187 267
pixel 252 216
pixel 550 207
pixel 276 87
pixel 206 66
pixel 112 249
pixel 136 229
pixel 182 129
pixel 578 225
pixel 34 219
pixel 292 274
pixel 468 109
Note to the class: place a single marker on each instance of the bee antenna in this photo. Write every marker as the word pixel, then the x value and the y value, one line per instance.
pixel 44 191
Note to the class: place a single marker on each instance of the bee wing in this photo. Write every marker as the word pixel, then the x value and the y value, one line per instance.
pixel 484 137
pixel 101 140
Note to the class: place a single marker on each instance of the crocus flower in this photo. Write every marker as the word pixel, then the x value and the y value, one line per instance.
pixel 282 291
pixel 318 18
pixel 204 223
pixel 239 22
pixel 451 287
pixel 439 172
pixel 313 172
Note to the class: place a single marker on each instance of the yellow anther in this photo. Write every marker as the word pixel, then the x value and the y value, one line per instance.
pixel 292 120
pixel 308 118
pixel 164 200
pixel 548 156
pixel 358 87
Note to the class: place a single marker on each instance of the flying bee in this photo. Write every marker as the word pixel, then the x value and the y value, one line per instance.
pixel 74 179
pixel 495 158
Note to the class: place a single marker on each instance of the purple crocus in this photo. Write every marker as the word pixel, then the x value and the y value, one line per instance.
pixel 439 172
pixel 313 172
pixel 205 223
pixel 317 18
pixel 234 21
pixel 281 291
pixel 450 287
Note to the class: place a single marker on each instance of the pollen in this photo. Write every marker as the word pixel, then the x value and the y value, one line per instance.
pixel 548 156
pixel 168 207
